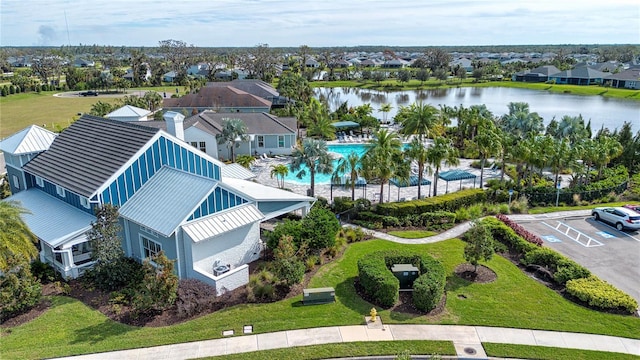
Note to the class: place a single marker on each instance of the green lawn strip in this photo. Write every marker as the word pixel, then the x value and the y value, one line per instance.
pixel 352 349
pixel 412 234
pixel 550 353
pixel 513 300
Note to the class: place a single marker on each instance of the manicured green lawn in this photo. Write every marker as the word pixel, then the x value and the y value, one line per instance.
pixel 412 234
pixel 549 353
pixel 349 350
pixel 513 300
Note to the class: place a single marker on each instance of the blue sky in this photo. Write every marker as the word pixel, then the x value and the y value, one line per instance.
pixel 318 23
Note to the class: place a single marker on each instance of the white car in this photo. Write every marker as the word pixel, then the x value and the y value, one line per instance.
pixel 620 217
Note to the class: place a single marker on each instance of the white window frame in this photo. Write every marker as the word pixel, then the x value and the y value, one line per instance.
pixel 60 191
pixel 260 141
pixel 281 141
pixel 16 181
pixel 39 181
pixel 194 144
pixel 202 146
pixel 84 202
pixel 151 249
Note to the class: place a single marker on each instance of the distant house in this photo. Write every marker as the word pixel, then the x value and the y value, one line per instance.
pixel 80 62
pixel 464 63
pixel 256 87
pixel 169 76
pixel 201 213
pixel 219 98
pixel 146 76
pixel 627 79
pixel 268 134
pixel 312 63
pixel 20 148
pixel 368 63
pixel 539 74
pixel 129 113
pixel 200 70
pixel 580 75
pixel 394 64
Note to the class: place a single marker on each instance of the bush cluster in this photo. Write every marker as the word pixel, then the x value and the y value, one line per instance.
pixel 520 230
pixel 600 294
pixel 19 290
pixel 563 269
pixel 382 286
pixel 439 220
pixel 194 297
pixel 448 202
pixel 506 235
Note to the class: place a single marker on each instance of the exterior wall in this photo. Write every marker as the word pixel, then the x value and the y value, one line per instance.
pixel 16 179
pixel 220 199
pixel 271 144
pixel 193 134
pixel 162 152
pixel 226 282
pixel 69 197
pixel 135 233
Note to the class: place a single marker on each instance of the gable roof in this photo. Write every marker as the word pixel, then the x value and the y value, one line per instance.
pixel 29 140
pixel 128 111
pixel 218 96
pixel 237 171
pixel 222 222
pixel 252 86
pixel 89 152
pixel 167 200
pixel 259 192
pixel 581 72
pixel 631 74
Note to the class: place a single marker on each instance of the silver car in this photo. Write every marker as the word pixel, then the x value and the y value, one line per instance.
pixel 620 217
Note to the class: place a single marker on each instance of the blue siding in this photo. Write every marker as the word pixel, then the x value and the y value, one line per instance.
pixel 137 182
pixel 218 200
pixel 143 168
pixel 129 181
pixel 50 188
pixel 170 154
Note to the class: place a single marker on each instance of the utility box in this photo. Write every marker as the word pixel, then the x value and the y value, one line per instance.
pixel 406 274
pixel 318 296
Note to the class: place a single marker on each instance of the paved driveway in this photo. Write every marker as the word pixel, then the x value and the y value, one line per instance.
pixel 610 254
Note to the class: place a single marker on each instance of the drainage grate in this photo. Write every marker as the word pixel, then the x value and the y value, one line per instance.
pixel 470 351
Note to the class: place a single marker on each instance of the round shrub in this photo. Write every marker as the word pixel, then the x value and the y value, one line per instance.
pixel 429 287
pixel 602 295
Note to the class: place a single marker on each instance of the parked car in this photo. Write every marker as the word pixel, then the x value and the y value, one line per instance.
pixel 620 217
pixel 635 208
pixel 89 93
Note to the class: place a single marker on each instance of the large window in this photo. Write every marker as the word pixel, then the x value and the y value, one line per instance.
pixel 260 139
pixel 39 181
pixel 281 141
pixel 150 248
pixel 15 181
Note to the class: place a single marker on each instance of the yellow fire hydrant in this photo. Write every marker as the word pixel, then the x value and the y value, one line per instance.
pixel 373 314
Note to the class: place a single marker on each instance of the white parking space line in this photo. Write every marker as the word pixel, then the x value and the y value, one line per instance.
pixel 574 234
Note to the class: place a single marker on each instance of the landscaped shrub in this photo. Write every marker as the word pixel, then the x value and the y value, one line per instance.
pixel 542 256
pixel 567 269
pixel 447 202
pixel 261 287
pixel 342 203
pixel 506 235
pixel 383 287
pixel 43 272
pixel 159 287
pixel 19 290
pixel 602 295
pixel 520 230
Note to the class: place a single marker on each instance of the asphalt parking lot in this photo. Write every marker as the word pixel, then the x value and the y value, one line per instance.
pixel 612 255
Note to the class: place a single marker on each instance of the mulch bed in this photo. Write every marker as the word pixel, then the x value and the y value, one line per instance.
pixel 405 303
pixel 480 275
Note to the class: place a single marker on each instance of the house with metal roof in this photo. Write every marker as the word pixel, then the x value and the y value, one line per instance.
pixel 20 148
pixel 539 74
pixel 268 134
pixel 172 197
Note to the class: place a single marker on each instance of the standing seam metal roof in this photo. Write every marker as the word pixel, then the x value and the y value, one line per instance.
pixel 167 199
pixel 30 140
pixel 222 222
pixel 89 152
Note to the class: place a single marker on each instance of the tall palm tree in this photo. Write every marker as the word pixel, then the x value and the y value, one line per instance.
pixel 488 142
pixel 317 120
pixel 280 171
pixel 351 167
pixel 559 154
pixel 15 236
pixel 442 151
pixel 313 156
pixel 521 122
pixel 234 131
pixel 417 152
pixel 608 148
pixel 382 157
pixel 419 119
pixel 385 109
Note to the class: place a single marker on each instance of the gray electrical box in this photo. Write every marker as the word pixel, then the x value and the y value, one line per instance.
pixel 406 274
pixel 318 296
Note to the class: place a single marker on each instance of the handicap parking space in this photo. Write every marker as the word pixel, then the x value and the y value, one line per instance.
pixel 612 255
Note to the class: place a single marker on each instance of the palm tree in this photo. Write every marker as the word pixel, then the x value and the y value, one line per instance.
pixel 313 156
pixel 351 167
pixel 153 100
pixel 245 160
pixel 234 131
pixel 418 153
pixel 419 119
pixel 280 171
pixel 442 151
pixel 382 158
pixel 317 120
pixel 385 109
pixel 607 149
pixel 559 153
pixel 520 122
pixel 488 143
pixel 15 236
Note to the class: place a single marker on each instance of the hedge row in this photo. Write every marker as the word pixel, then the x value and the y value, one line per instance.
pixel 506 235
pixel 448 202
pixel 563 269
pixel 432 220
pixel 520 230
pixel 600 294
pixel 383 287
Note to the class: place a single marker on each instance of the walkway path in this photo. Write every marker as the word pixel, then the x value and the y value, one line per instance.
pixel 469 338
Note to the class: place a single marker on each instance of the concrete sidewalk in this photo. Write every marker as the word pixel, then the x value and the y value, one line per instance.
pixel 467 341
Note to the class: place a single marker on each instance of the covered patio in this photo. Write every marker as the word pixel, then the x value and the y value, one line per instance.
pixel 413 180
pixel 456 174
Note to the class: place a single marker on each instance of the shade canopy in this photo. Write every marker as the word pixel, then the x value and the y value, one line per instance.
pixel 456 174
pixel 345 124
pixel 412 181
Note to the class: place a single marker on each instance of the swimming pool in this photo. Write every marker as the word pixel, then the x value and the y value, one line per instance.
pixel 343 149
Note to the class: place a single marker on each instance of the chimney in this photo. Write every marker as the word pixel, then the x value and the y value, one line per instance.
pixel 175 125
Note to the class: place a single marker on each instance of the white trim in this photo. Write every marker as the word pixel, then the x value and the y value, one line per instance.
pixel 84 202
pixel 61 191
pixel 39 181
pixel 142 248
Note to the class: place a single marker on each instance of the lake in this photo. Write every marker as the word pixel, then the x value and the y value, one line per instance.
pixel 602 111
